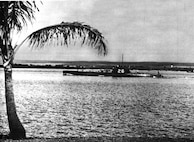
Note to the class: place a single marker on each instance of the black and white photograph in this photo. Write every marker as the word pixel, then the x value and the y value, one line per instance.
pixel 97 71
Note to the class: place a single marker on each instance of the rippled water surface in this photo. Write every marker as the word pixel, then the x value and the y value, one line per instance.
pixel 52 105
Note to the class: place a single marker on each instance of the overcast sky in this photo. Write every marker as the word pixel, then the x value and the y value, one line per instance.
pixel 142 30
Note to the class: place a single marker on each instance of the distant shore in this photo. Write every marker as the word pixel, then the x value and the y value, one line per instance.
pixel 162 66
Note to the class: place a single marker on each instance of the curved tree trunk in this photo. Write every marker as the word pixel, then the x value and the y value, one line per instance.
pixel 17 131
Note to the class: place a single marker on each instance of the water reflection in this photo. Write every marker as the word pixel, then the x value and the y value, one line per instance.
pixel 52 105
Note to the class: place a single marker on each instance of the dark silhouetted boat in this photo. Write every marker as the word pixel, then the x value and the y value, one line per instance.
pixel 158 75
pixel 116 71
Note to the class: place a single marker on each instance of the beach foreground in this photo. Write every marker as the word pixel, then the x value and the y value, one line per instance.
pixel 99 139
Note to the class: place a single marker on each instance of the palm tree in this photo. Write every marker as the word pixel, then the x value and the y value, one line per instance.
pixel 15 15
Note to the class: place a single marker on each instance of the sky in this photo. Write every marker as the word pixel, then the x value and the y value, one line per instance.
pixel 141 30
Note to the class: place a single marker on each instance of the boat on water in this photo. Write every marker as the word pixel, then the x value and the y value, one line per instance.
pixel 158 75
pixel 91 73
pixel 115 72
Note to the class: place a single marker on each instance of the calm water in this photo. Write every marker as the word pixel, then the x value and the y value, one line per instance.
pixel 52 105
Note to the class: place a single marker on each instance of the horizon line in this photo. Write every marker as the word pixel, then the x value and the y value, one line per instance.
pixel 60 61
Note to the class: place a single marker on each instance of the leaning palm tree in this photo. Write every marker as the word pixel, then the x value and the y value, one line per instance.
pixel 15 15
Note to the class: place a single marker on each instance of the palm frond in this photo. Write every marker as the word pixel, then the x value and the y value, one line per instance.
pixel 67 32
pixel 19 12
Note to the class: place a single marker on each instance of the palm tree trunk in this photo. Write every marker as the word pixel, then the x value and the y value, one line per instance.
pixel 17 131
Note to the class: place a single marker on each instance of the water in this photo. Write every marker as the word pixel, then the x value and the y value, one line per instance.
pixel 52 105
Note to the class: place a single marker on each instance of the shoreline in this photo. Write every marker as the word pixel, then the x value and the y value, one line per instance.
pixel 99 139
